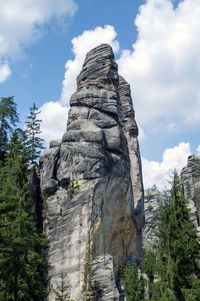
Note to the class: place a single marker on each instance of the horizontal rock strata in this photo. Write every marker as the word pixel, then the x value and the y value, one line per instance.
pixel 91 183
pixel 151 203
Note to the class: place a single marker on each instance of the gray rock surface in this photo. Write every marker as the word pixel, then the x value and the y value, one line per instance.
pixel 131 132
pixel 150 210
pixel 92 182
pixel 190 177
pixel 33 182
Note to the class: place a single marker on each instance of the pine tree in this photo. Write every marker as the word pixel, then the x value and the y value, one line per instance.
pixel 62 288
pixel 177 252
pixel 22 268
pixel 8 120
pixel 34 141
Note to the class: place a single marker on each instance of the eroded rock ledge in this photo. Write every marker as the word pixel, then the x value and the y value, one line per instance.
pixel 91 182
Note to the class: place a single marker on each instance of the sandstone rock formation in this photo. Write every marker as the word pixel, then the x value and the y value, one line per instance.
pixel 190 177
pixel 91 183
pixel 151 217
pixel 35 194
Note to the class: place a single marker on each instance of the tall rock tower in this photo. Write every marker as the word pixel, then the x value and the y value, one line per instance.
pixel 92 188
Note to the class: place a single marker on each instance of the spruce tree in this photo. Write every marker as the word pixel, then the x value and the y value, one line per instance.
pixel 8 120
pixel 22 268
pixel 34 141
pixel 177 253
pixel 133 284
pixel 62 288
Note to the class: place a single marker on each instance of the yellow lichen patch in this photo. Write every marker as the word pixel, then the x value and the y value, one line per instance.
pixel 76 184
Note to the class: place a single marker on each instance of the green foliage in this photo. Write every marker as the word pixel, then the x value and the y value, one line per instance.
pixel 74 117
pixel 62 288
pixel 173 265
pixel 72 188
pixel 34 141
pixel 150 208
pixel 88 272
pixel 133 283
pixel 22 268
pixel 8 120
pixel 91 288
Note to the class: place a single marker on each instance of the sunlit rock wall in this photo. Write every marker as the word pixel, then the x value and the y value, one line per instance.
pixel 91 183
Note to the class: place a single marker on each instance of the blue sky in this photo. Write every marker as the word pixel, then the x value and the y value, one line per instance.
pixel 156 44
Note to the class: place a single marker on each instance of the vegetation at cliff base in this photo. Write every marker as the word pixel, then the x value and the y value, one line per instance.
pixel 22 268
pixel 172 265
pixel 133 283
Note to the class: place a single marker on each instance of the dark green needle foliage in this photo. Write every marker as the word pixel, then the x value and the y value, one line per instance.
pixel 62 288
pixel 22 268
pixel 34 141
pixel 133 283
pixel 8 120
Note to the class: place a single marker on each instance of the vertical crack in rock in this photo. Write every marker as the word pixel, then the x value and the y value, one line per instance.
pixel 92 184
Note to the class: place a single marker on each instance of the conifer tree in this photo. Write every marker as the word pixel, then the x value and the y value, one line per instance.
pixel 62 288
pixel 177 253
pixel 133 284
pixel 8 120
pixel 22 268
pixel 34 141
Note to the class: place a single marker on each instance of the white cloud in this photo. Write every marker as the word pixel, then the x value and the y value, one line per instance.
pixel 159 173
pixel 164 67
pixel 21 22
pixel 81 45
pixel 54 120
pixel 198 150
pixel 5 72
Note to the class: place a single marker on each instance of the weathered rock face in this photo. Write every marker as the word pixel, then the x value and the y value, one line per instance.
pixel 92 184
pixel 151 217
pixel 190 177
pixel 35 194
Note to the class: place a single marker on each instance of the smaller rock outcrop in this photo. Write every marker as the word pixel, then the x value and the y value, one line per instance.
pixel 190 177
pixel 151 217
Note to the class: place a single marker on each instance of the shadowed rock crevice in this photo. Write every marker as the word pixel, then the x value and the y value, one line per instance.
pixel 94 175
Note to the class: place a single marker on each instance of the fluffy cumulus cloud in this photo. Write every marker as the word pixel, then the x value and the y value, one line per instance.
pixel 159 172
pixel 54 117
pixel 198 150
pixel 81 45
pixel 163 67
pixel 5 72
pixel 20 24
